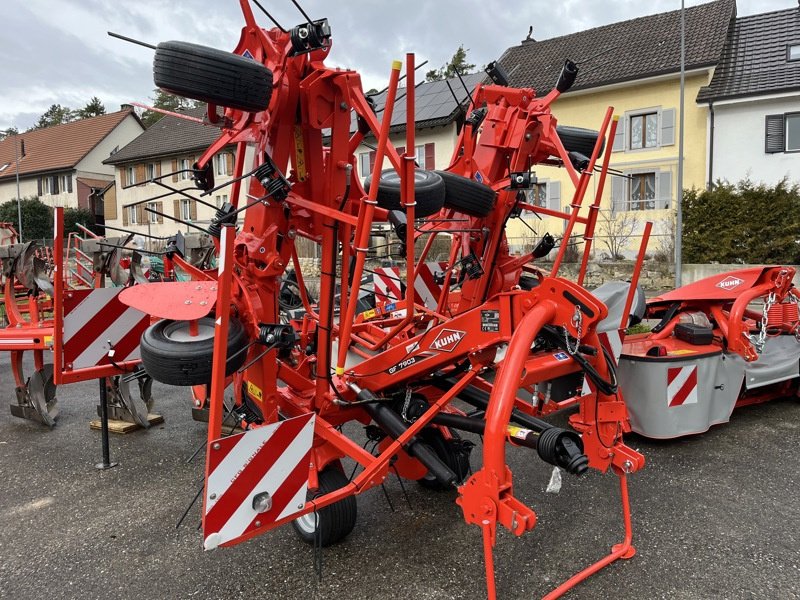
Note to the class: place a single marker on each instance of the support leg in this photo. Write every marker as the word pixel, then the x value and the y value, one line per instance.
pixel 106 464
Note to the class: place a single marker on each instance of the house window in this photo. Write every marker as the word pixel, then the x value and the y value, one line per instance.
pixel 55 184
pixel 644 131
pixel 65 183
pixel 130 175
pixel 221 161
pixel 132 215
pixel 782 133
pixel 537 195
pixel 793 52
pixel 642 191
pixel 152 217
pixel 221 199
pixel 4 167
pixel 185 168
pixel 366 160
pixel 186 210
pixel 645 190
pixel 150 171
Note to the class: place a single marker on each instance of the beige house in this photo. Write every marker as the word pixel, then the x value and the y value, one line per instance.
pixel 158 162
pixel 63 165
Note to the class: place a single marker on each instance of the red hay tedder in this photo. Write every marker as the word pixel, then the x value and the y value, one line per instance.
pixel 397 366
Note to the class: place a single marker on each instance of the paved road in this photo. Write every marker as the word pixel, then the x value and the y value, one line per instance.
pixel 715 516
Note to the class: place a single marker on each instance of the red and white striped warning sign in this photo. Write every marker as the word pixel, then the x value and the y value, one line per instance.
pixel 256 478
pixel 681 386
pixel 387 282
pixel 94 322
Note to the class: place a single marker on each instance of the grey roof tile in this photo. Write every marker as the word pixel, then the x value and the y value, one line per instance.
pixel 755 58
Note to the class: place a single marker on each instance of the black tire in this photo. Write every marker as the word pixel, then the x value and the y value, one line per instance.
pixel 452 452
pixel 466 195
pixel 213 76
pixel 428 188
pixel 336 520
pixel 170 355
pixel 578 139
pixel 528 282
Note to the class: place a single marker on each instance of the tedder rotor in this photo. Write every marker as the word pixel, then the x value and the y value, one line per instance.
pixel 402 367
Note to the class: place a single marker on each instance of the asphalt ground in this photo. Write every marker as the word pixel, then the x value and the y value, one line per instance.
pixel 715 516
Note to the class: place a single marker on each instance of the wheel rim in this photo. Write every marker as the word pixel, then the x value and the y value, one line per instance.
pixel 308 522
pixel 178 331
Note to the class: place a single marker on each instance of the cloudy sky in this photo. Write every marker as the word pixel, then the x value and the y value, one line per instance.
pixel 57 51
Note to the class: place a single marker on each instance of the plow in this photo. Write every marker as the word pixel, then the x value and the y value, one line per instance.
pixel 419 358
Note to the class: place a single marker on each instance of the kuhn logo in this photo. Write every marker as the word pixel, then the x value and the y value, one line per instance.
pixel 447 340
pixel 730 283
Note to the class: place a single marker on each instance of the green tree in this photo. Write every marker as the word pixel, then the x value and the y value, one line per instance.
pixel 55 115
pixel 457 65
pixel 75 216
pixel 8 132
pixel 166 101
pixel 93 108
pixel 37 218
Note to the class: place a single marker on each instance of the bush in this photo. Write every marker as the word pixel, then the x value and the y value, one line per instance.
pixel 742 223
pixel 37 218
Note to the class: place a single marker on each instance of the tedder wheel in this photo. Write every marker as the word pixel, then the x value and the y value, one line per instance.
pixel 428 189
pixel 171 355
pixel 466 195
pixel 336 520
pixel 578 139
pixel 453 452
pixel 212 75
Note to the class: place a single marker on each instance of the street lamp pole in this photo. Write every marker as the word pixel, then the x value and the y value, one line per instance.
pixel 19 200
pixel 679 186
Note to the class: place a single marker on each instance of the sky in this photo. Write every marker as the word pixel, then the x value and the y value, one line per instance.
pixel 58 52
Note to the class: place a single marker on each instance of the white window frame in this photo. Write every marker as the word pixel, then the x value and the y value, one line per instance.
pixel 788 143
pixel 130 174
pixel 132 220
pixel 629 117
pixel 532 200
pixel 419 152
pixel 151 216
pixel 47 185
pixel 221 164
pixel 629 201
pixel 221 199
pixel 793 52
pixel 150 171
pixel 184 165
pixel 64 184
pixel 363 164
pixel 186 210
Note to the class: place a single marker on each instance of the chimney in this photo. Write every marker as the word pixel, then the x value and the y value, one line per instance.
pixel 126 106
pixel 530 39
pixel 22 148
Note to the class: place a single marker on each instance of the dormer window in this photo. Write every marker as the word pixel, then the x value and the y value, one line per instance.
pixel 793 52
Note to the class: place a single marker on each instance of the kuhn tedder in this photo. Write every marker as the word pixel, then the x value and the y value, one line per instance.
pixel 399 365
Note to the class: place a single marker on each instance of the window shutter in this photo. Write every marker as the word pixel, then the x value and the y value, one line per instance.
pixel 54 183
pixel 141 174
pixel 228 163
pixel 110 204
pixel 668 127
pixel 160 208
pixel 619 136
pixel 124 216
pixel 158 168
pixel 372 155
pixel 174 170
pixel 775 132
pixel 617 194
pixel 664 189
pixel 193 210
pixel 176 207
pixel 430 156
pixel 141 215
pixel 39 186
pixel 554 195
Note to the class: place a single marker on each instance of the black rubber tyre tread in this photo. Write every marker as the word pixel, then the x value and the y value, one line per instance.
pixel 212 75
pixel 429 190
pixel 457 462
pixel 466 195
pixel 528 282
pixel 578 139
pixel 336 520
pixel 188 363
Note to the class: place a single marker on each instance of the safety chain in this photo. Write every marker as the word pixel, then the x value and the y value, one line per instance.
pixel 796 329
pixel 759 340
pixel 406 404
pixel 577 322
